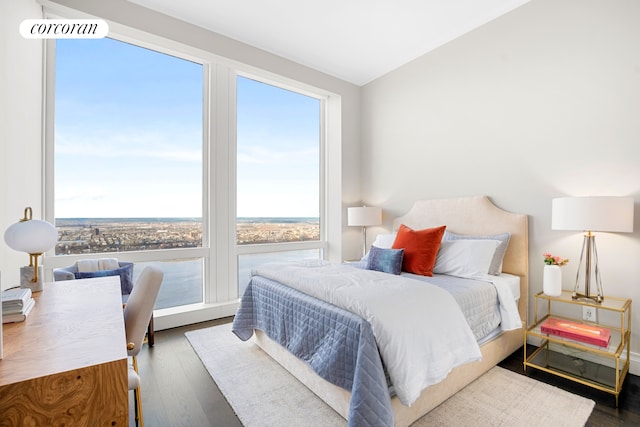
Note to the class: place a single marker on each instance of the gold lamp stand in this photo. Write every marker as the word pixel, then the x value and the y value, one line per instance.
pixel 34 237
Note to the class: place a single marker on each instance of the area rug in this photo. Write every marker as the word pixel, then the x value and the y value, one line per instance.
pixel 263 394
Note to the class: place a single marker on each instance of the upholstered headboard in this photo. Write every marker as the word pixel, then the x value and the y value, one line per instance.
pixel 477 215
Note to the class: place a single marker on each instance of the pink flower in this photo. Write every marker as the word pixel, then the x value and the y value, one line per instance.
pixel 550 259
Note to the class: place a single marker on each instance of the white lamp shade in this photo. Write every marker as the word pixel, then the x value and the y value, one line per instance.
pixel 32 236
pixel 364 215
pixel 612 214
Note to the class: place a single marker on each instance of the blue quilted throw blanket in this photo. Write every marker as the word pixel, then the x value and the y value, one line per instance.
pixel 337 344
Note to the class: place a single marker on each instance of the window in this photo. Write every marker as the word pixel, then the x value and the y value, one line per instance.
pixel 129 157
pixel 226 170
pixel 278 175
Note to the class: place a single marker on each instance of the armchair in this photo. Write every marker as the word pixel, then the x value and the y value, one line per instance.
pixel 98 268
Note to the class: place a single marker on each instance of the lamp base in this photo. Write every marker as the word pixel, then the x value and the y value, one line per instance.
pixel 26 278
pixel 364 240
pixel 591 298
pixel 590 254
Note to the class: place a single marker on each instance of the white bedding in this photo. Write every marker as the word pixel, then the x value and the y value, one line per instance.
pixel 511 281
pixel 507 287
pixel 505 284
pixel 401 311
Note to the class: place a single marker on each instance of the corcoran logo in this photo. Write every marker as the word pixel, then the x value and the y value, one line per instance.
pixel 64 28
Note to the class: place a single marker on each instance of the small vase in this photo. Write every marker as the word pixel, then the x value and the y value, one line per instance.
pixel 552 281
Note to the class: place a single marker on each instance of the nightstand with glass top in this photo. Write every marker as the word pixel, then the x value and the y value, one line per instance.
pixel 601 367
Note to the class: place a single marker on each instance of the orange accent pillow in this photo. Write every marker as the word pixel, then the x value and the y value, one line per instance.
pixel 420 248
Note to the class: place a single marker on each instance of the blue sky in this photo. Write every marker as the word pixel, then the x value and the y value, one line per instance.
pixel 129 137
pixel 278 150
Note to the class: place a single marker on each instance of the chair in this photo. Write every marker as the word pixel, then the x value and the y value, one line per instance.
pixel 137 313
pixel 84 269
pixel 101 267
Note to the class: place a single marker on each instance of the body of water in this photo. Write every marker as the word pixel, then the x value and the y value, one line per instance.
pixel 183 280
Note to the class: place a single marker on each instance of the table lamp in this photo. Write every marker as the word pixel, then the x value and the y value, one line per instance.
pixel 362 217
pixel 34 237
pixel 609 214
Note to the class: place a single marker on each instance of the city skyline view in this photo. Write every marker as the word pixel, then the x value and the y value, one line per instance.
pixel 130 172
pixel 108 235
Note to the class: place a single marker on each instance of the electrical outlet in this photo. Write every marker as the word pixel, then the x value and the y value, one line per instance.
pixel 589 313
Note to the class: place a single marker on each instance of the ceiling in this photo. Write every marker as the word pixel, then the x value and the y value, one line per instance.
pixel 354 40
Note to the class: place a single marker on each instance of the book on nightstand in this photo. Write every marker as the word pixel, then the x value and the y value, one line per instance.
pixel 590 334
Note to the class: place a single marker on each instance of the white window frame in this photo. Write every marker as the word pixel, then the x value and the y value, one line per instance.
pixel 321 244
pixel 220 251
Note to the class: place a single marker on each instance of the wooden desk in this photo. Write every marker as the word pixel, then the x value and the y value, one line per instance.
pixel 66 364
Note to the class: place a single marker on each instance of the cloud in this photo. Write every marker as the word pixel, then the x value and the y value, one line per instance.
pixel 182 146
pixel 254 154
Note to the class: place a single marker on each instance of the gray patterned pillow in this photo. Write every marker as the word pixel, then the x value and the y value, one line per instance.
pixel 125 273
pixel 385 260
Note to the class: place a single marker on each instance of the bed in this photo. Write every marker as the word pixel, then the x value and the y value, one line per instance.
pixel 468 216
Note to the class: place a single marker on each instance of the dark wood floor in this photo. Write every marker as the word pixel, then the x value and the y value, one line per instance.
pixel 176 388
pixel 605 412
pixel 178 391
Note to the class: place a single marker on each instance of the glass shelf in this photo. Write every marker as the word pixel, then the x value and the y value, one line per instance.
pixel 595 374
pixel 614 348
pixel 603 368
pixel 609 303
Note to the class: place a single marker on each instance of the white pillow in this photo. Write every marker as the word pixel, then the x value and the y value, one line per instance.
pixel 496 264
pixel 383 241
pixel 465 258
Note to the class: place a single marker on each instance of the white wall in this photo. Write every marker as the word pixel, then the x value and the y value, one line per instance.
pixel 21 102
pixel 20 128
pixel 541 103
